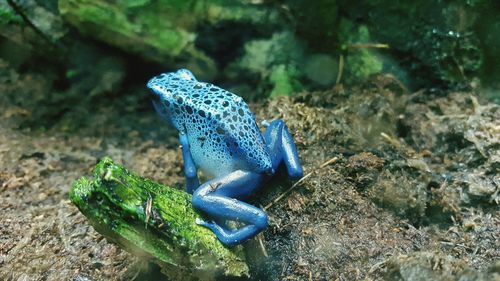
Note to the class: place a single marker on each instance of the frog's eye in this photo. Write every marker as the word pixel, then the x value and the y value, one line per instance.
pixel 186 75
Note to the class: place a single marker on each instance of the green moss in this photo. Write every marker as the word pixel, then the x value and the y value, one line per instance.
pixel 277 61
pixel 7 15
pixel 435 41
pixel 163 31
pixel 284 81
pixel 159 30
pixel 360 62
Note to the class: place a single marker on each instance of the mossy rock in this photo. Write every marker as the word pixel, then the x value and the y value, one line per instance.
pixel 155 222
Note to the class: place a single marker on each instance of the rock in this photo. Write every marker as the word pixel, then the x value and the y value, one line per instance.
pixel 161 31
pixel 322 69
pixel 136 26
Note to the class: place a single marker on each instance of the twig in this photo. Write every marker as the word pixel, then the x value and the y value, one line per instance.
pixel 262 247
pixel 341 69
pixel 149 205
pixel 138 271
pixel 368 45
pixel 390 140
pixel 302 179
pixel 377 266
pixel 356 46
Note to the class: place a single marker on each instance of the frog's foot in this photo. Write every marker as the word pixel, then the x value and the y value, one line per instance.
pixel 222 222
pixel 212 225
pixel 229 237
pixel 282 148
pixel 208 224
pixel 217 199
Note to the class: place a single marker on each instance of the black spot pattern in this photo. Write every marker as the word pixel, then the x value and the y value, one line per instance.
pixel 222 131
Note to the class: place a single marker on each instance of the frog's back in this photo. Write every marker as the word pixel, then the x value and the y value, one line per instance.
pixel 221 129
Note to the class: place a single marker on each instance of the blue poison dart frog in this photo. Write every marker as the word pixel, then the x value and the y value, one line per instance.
pixel 219 135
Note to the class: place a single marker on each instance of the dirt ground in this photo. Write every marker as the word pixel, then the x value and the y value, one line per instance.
pixel 410 190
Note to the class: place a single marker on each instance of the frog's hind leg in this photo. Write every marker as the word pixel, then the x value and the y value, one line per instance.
pixel 217 199
pixel 282 148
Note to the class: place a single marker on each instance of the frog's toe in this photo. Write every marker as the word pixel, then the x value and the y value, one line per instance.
pixel 265 123
pixel 201 222
pixel 208 224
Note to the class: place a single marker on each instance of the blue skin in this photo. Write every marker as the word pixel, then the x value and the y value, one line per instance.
pixel 219 136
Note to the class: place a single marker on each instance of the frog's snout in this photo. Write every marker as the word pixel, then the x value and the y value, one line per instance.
pixel 153 84
pixel 157 88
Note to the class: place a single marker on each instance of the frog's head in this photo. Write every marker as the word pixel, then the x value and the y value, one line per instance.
pixel 169 91
pixel 165 86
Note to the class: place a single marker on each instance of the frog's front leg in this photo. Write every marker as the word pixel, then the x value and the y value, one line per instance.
pixel 282 148
pixel 217 198
pixel 190 171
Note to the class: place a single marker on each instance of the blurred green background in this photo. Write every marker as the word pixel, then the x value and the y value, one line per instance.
pixel 255 48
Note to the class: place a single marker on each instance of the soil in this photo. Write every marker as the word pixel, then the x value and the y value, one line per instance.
pixel 411 191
